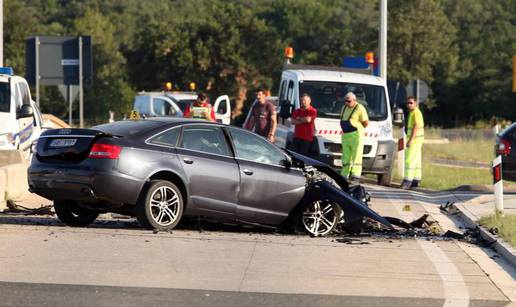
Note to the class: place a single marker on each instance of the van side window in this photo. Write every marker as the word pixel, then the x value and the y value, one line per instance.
pixel 17 96
pixel 25 94
pixel 290 91
pixel 283 91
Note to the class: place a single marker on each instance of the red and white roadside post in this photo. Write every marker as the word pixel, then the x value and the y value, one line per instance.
pixel 498 184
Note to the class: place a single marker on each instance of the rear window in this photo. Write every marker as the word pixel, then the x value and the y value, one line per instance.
pixel 128 127
pixel 5 97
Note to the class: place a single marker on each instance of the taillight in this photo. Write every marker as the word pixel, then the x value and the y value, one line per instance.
pixel 504 148
pixel 106 151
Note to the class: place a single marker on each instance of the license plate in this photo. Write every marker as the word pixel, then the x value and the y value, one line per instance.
pixel 337 163
pixel 60 143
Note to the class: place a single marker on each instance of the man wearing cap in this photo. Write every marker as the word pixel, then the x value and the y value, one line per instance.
pixel 353 120
pixel 200 109
pixel 415 136
pixel 304 119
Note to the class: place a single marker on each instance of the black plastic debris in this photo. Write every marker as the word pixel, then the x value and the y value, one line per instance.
pixel 449 208
pixel 15 209
pixel 454 235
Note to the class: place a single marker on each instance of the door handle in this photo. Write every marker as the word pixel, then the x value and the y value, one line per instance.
pixel 188 161
pixel 247 171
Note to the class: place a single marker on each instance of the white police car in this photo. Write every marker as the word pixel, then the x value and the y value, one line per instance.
pixel 20 118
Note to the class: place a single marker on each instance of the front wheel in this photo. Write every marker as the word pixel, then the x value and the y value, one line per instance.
pixel 162 207
pixel 73 215
pixel 320 218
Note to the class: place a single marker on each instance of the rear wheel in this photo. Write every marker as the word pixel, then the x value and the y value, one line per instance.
pixel 320 218
pixel 73 215
pixel 161 207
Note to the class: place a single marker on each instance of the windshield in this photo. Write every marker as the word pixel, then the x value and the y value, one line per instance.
pixel 183 103
pixel 5 97
pixel 328 98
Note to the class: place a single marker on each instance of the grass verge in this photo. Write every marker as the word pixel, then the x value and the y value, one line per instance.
pixel 505 225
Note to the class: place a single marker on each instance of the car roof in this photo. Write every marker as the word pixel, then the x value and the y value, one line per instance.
pixel 335 76
pixel 174 95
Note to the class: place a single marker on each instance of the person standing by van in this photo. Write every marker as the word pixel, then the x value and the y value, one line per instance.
pixel 263 117
pixel 353 121
pixel 200 109
pixel 304 119
pixel 415 137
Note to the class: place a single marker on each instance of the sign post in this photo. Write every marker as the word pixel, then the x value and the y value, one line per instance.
pixel 60 60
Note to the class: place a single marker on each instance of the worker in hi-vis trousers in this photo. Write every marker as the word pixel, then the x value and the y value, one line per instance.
pixel 414 146
pixel 353 120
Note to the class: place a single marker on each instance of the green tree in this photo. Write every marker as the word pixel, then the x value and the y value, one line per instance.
pixel 421 40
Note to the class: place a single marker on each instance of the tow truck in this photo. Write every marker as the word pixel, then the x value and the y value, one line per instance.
pixel 323 83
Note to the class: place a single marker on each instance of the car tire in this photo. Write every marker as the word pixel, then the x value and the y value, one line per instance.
pixel 72 215
pixel 385 178
pixel 155 211
pixel 319 218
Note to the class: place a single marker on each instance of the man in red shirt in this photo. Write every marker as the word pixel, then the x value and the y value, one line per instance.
pixel 304 119
pixel 200 109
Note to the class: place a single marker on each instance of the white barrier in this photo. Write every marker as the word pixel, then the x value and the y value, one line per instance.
pixel 498 184
pixel 13 176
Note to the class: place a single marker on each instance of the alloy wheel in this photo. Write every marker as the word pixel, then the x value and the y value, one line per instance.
pixel 320 218
pixel 164 206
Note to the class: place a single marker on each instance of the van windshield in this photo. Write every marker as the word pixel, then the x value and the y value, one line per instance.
pixel 5 97
pixel 328 98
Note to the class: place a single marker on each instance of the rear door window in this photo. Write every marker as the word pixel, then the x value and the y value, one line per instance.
pixel 205 139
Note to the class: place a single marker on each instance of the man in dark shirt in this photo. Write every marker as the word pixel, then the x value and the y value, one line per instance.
pixel 304 119
pixel 263 117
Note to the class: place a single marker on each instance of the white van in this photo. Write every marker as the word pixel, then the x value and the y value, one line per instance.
pixel 174 104
pixel 20 118
pixel 322 84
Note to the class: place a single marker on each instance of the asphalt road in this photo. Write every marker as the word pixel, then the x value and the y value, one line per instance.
pixel 43 263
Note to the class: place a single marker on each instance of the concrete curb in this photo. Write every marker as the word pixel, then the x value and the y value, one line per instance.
pixel 504 249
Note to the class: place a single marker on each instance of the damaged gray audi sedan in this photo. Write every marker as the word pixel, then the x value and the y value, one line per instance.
pixel 162 169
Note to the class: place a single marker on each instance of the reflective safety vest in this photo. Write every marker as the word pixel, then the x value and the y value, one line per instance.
pixel 199 112
pixel 416 117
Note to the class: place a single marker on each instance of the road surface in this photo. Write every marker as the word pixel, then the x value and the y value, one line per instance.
pixel 43 263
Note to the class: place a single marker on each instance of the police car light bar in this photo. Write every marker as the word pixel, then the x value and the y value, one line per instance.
pixel 6 71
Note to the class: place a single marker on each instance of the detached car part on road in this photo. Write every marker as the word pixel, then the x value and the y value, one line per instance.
pixel 161 169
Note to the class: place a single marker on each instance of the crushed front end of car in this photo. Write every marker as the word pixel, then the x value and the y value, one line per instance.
pixel 329 194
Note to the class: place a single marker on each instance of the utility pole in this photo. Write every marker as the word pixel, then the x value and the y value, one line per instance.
pixel 1 33
pixel 383 39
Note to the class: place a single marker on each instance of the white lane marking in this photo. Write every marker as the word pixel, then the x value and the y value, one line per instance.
pixel 456 293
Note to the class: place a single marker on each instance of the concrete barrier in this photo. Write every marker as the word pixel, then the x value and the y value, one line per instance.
pixel 13 176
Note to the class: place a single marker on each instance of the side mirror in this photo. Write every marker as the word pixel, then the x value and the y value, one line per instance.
pixel 398 117
pixel 285 109
pixel 25 111
pixel 287 162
